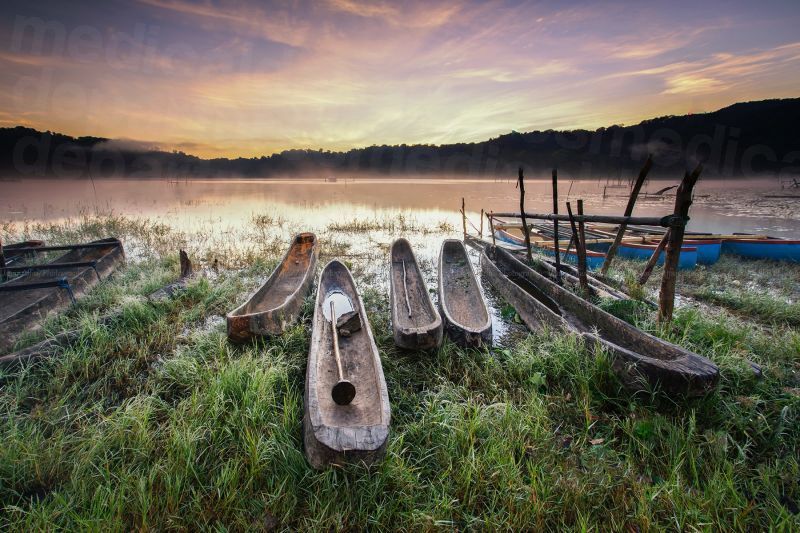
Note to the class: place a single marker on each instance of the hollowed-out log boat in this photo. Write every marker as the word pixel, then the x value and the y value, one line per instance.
pixel 12 252
pixel 357 431
pixel 641 360
pixel 39 290
pixel 416 323
pixel 275 306
pixel 464 311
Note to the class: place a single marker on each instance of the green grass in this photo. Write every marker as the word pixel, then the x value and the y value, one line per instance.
pixel 155 421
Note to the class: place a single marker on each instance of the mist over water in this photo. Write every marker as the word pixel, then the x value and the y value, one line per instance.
pixel 723 206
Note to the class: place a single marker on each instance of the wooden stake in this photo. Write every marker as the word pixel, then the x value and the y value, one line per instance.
pixel 2 263
pixel 651 263
pixel 186 265
pixel 491 228
pixel 581 249
pixel 525 229
pixel 464 218
pixel 683 200
pixel 555 227
pixel 612 251
pixel 481 232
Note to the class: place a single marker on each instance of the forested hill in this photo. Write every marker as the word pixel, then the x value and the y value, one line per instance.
pixel 742 139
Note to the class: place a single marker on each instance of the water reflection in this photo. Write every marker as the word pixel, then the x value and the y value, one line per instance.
pixel 720 206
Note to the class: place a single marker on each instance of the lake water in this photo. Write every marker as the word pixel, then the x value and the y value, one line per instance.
pixel 723 206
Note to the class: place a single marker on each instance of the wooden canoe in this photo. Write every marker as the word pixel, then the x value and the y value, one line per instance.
pixel 641 360
pixel 569 274
pixel 464 311
pixel 416 323
pixel 275 306
pixel 11 252
pixel 333 433
pixel 26 300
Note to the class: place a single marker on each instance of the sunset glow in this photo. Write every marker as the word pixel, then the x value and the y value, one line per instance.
pixel 245 78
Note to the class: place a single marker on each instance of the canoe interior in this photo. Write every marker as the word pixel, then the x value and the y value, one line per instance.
pixel 415 321
pixel 287 278
pixel 22 310
pixel 358 430
pixel 461 296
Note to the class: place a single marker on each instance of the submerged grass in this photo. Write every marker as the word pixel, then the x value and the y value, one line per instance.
pixel 154 421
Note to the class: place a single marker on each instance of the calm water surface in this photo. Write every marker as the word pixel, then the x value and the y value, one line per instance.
pixel 724 206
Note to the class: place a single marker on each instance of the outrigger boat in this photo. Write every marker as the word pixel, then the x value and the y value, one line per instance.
pixel 769 248
pixel 595 253
pixel 347 411
pixel 416 323
pixel 740 244
pixel 39 290
pixel 275 306
pixel 466 316
pixel 642 361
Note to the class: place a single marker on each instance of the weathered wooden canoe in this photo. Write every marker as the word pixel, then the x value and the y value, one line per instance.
pixel 53 345
pixel 466 316
pixel 358 431
pixel 12 253
pixel 569 274
pixel 416 323
pixel 275 306
pixel 640 359
pixel 26 300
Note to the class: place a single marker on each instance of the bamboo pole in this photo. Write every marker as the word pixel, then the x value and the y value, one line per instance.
pixel 556 247
pixel 664 222
pixel 2 263
pixel 576 237
pixel 612 251
pixel 525 229
pixel 464 218
pixel 683 200
pixel 491 228
pixel 651 263
pixel 581 248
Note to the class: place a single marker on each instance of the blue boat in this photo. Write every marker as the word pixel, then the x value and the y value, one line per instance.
pixel 643 252
pixel 594 260
pixel 708 250
pixel 776 249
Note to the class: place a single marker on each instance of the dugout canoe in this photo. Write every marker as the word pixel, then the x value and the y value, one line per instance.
pixel 569 274
pixel 39 290
pixel 275 306
pixel 358 431
pixel 642 361
pixel 416 323
pixel 16 252
pixel 464 311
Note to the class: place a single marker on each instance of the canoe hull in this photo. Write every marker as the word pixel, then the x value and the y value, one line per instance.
pixel 359 431
pixel 642 361
pixel 23 311
pixel 276 304
pixel 464 311
pixel 775 249
pixel 423 329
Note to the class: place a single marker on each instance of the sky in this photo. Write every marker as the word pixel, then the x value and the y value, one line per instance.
pixel 237 78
